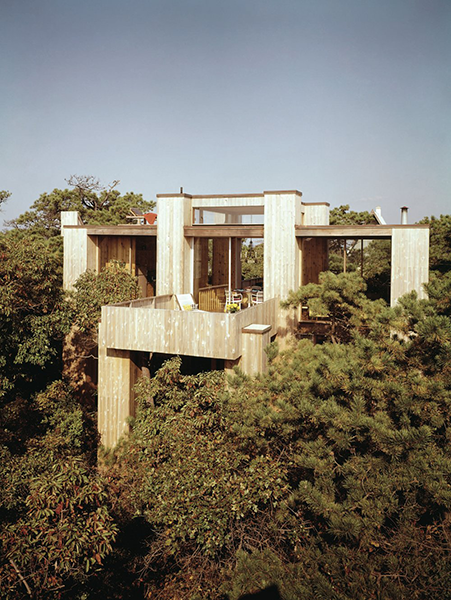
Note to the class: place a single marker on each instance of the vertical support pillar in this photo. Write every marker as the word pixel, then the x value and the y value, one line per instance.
pixel 80 253
pixel 409 261
pixel 174 262
pixel 200 278
pixel 255 338
pixel 117 376
pixel 282 257
pixel 283 210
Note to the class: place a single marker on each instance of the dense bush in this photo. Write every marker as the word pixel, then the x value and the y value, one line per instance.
pixel 57 526
pixel 329 476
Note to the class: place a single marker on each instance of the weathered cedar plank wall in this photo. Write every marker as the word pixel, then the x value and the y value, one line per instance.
pixel 174 269
pixel 80 254
pixel 281 257
pixel 314 252
pixel 409 261
pixel 192 333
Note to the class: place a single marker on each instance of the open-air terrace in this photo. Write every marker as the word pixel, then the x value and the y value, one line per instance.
pixel 158 325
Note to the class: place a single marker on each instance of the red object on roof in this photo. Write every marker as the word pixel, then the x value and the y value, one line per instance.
pixel 150 217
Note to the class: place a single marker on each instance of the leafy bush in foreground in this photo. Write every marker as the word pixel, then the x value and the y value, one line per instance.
pixel 329 476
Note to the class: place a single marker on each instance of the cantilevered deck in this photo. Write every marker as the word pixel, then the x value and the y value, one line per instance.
pixel 154 325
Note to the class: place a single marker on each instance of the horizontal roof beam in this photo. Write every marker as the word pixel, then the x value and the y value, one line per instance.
pixel 131 230
pixel 240 230
pixel 355 232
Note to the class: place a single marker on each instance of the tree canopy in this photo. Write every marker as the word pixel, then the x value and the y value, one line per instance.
pixel 96 204
pixel 33 315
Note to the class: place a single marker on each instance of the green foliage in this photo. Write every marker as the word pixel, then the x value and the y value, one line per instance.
pixel 67 530
pixel 33 316
pixel 439 292
pixel 252 260
pixel 57 524
pixel 440 243
pixel 97 206
pixel 113 284
pixel 340 299
pixel 193 483
pixel 365 428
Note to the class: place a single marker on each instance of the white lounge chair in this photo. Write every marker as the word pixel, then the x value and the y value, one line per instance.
pixel 186 302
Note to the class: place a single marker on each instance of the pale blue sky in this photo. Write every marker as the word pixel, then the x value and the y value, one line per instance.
pixel 348 101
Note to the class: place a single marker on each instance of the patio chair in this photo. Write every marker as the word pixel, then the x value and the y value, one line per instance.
pixel 233 297
pixel 186 302
pixel 257 298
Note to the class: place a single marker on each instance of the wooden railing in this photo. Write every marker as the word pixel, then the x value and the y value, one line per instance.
pixel 167 301
pixel 212 298
pixel 189 333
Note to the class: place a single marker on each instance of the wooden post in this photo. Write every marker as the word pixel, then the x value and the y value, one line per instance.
pixel 361 258
pixel 174 260
pixel 255 338
pixel 409 261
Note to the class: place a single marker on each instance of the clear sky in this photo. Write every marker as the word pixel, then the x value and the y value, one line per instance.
pixel 348 101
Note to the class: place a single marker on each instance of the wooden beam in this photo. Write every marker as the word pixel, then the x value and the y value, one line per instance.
pixel 224 231
pixel 355 232
pixel 132 230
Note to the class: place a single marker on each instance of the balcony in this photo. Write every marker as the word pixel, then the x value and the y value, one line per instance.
pixel 156 325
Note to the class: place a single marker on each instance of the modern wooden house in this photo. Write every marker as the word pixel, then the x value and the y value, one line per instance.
pixel 194 249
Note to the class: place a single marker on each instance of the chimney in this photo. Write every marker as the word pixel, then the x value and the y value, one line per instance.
pixel 404 211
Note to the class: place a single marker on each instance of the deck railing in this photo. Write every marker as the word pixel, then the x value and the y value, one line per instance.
pixel 167 301
pixel 191 333
pixel 212 298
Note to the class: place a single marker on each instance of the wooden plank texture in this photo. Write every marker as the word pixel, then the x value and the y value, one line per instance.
pixel 239 230
pixel 193 333
pixel 281 256
pixel 351 231
pixel 174 261
pixel 134 230
pixel 409 261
